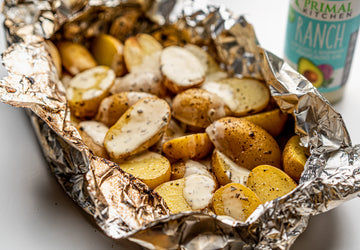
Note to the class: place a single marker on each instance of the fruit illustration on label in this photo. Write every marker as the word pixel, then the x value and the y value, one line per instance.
pixel 313 73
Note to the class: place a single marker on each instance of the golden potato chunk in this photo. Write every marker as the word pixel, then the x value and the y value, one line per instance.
pixel 245 143
pixel 235 200
pixel 140 127
pixel 55 56
pixel 198 107
pixel 243 96
pixel 151 168
pixel 294 158
pixel 181 69
pixel 269 182
pixel 113 107
pixel 86 90
pixel 108 50
pixel 185 168
pixel 194 146
pixel 75 57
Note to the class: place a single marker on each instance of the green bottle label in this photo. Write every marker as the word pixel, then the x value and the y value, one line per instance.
pixel 320 40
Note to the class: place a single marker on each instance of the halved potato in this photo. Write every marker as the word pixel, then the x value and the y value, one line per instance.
pixel 140 127
pixel 245 143
pixel 87 89
pixel 235 200
pixel 243 96
pixel 152 168
pixel 108 50
pixel 269 182
pixel 194 146
pixel 93 134
pixel 227 171
pixel 198 107
pixel 185 168
pixel 272 121
pixel 113 107
pixel 75 57
pixel 55 55
pixel 181 69
pixel 294 158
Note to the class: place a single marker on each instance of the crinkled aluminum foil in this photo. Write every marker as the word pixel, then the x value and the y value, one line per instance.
pixel 121 205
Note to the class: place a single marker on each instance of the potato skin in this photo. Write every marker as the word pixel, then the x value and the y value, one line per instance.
pixel 96 148
pixel 245 143
pixel 269 182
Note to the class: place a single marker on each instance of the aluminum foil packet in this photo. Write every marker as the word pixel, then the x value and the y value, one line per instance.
pixel 121 205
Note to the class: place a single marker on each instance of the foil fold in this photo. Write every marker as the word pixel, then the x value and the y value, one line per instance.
pixel 123 206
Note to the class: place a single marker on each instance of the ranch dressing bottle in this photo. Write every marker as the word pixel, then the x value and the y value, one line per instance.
pixel 320 42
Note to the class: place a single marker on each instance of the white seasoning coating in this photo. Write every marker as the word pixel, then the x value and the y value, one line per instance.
pixel 91 93
pixel 232 205
pixel 134 97
pixel 235 172
pixel 194 167
pixel 216 132
pixel 198 191
pixel 225 91
pixel 181 66
pixel 96 130
pixel 150 63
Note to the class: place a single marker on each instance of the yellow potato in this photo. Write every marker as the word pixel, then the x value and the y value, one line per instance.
pixel 269 182
pixel 235 200
pixel 75 57
pixel 124 25
pixel 93 134
pixel 245 143
pixel 194 146
pixel 169 35
pixel 113 107
pixel 86 90
pixel 243 96
pixel 272 121
pixel 108 51
pixel 227 171
pixel 181 169
pixel 151 168
pixel 198 107
pixel 55 55
pixel 140 127
pixel 294 158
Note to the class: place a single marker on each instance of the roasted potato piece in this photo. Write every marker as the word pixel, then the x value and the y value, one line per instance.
pixel 55 55
pixel 243 96
pixel 272 121
pixel 169 35
pixel 87 89
pixel 235 200
pixel 185 168
pixel 245 143
pixel 227 171
pixel 194 146
pixel 191 193
pixel 198 107
pixel 181 69
pixel 93 134
pixel 294 158
pixel 108 51
pixel 269 182
pixel 140 127
pixel 151 168
pixel 75 57
pixel 113 107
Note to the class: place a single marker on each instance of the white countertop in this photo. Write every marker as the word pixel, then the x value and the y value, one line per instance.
pixel 37 214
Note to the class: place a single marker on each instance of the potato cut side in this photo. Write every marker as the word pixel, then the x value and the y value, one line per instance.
pixel 294 158
pixel 198 107
pixel 243 96
pixel 93 134
pixel 235 200
pixel 138 47
pixel 75 57
pixel 87 89
pixel 185 168
pixel 152 168
pixel 113 107
pixel 55 56
pixel 194 146
pixel 272 121
pixel 140 127
pixel 227 171
pixel 181 69
pixel 269 182
pixel 108 50
pixel 245 143
pixel 172 193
